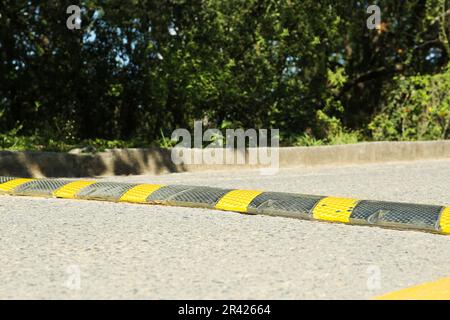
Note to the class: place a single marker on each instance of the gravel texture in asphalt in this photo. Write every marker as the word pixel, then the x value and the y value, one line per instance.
pixel 54 248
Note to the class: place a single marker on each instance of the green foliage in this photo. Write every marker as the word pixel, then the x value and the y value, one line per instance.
pixel 306 140
pixel 14 142
pixel 165 142
pixel 139 68
pixel 418 109
pixel 345 138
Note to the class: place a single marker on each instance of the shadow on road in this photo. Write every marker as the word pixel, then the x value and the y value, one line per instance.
pixel 114 162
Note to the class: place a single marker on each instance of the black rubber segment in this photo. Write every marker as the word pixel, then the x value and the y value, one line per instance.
pixel 397 214
pixel 185 195
pixel 166 192
pixel 6 179
pixel 105 191
pixel 284 204
pixel 40 187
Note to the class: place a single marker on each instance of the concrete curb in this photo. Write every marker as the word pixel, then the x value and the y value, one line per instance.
pixel 157 161
pixel 430 218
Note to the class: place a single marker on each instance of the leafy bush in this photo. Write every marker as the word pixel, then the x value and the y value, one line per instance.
pixel 14 142
pixel 418 109
pixel 307 140
pixel 331 130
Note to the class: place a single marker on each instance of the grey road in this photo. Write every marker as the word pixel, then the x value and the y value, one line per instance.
pixel 53 248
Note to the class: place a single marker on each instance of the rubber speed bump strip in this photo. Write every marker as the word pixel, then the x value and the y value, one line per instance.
pixel 285 204
pixel 237 200
pixel 363 212
pixel 188 196
pixel 444 221
pixel 437 290
pixel 70 190
pixel 41 187
pixel 426 217
pixel 5 179
pixel 12 184
pixel 107 191
pixel 139 193
pixel 334 209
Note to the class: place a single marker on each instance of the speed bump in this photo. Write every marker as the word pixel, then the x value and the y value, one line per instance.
pixel 237 200
pixel 12 184
pixel 430 218
pixel 334 209
pixel 139 193
pixel 69 190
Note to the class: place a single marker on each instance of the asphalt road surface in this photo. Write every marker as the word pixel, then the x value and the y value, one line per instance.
pixel 54 248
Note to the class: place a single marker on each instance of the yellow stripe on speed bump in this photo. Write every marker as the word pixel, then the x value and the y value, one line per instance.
pixel 140 193
pixel 334 209
pixel 444 221
pixel 12 184
pixel 70 190
pixel 237 200
pixel 437 290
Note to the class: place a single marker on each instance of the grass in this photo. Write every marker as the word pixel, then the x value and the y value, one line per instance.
pixel 13 142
